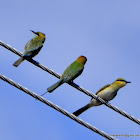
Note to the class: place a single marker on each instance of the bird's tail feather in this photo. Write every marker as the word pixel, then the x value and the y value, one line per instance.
pixel 81 110
pixel 53 87
pixel 16 64
pixel 44 93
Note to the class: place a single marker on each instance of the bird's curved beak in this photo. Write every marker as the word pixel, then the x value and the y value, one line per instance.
pixel 33 32
pixel 128 82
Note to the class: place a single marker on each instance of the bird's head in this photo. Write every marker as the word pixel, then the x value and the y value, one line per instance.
pixel 38 34
pixel 121 82
pixel 82 59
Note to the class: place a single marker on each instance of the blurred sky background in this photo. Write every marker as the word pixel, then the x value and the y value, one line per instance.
pixel 106 32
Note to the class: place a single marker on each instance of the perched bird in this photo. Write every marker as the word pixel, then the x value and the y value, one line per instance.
pixel 32 47
pixel 107 93
pixel 72 72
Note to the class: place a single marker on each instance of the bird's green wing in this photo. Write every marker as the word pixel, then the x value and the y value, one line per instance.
pixel 103 88
pixel 72 72
pixel 32 45
pixel 32 48
pixel 27 46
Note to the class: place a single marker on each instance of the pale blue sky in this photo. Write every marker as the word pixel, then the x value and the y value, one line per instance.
pixel 106 32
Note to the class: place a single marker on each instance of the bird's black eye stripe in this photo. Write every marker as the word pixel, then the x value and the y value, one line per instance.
pixel 37 33
pixel 121 80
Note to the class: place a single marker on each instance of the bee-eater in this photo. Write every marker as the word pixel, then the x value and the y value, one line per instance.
pixel 32 47
pixel 72 72
pixel 107 93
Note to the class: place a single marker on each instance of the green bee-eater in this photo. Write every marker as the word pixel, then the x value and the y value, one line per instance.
pixel 107 93
pixel 72 72
pixel 32 47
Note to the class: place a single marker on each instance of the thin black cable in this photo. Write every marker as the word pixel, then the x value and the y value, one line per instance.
pixel 73 84
pixel 64 112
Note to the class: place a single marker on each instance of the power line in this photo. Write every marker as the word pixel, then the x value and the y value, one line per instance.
pixel 64 112
pixel 72 84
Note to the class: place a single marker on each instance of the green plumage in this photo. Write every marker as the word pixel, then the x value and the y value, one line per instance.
pixel 72 72
pixel 32 47
pixel 53 87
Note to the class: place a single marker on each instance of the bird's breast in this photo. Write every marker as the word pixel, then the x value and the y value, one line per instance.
pixel 107 94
